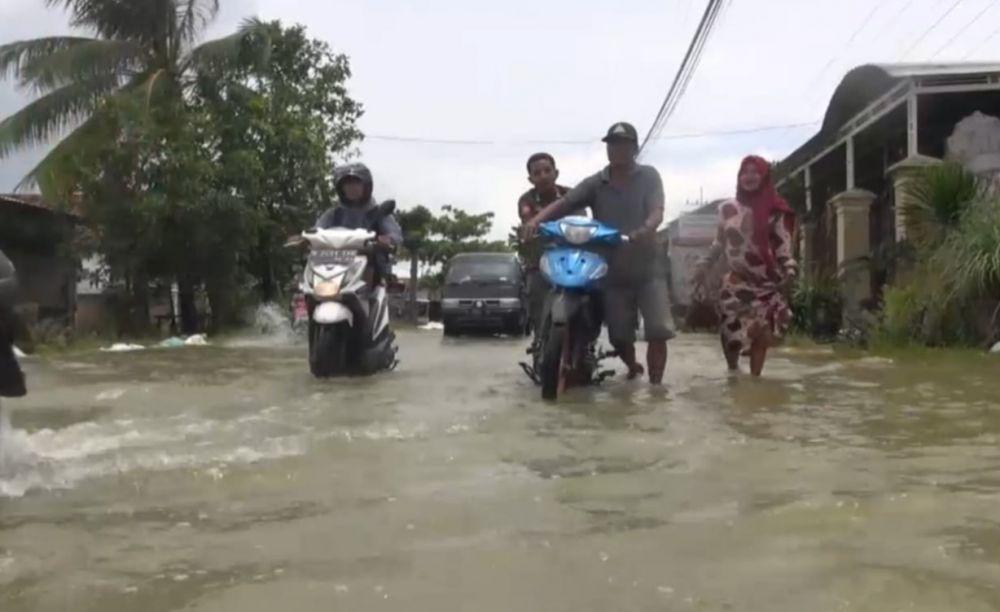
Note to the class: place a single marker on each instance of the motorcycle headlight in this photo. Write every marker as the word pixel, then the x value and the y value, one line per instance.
pixel 577 234
pixel 328 289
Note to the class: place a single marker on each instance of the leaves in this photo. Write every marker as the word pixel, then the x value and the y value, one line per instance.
pixel 937 197
pixel 193 163
pixel 14 56
pixel 249 47
pixel 83 61
pixel 50 115
pixel 434 240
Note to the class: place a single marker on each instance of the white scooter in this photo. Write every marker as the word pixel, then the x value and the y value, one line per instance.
pixel 349 331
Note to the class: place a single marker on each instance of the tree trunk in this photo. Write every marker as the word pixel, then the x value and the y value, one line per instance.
pixel 268 290
pixel 189 310
pixel 414 284
pixel 138 308
pixel 221 297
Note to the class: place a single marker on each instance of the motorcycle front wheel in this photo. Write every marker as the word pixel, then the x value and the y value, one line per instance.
pixel 328 349
pixel 554 352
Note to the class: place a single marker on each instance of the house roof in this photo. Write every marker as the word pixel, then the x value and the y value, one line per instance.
pixel 864 85
pixel 31 200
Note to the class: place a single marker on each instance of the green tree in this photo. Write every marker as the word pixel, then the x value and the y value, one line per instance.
pixel 417 225
pixel 280 129
pixel 141 50
pixel 457 231
pixel 432 240
pixel 122 95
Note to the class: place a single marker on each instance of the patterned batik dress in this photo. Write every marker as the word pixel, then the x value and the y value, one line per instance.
pixel 751 298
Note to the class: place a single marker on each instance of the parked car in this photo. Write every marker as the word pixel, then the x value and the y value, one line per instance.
pixel 484 292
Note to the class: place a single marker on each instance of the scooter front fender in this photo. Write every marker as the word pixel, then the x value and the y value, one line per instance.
pixel 564 307
pixel 328 313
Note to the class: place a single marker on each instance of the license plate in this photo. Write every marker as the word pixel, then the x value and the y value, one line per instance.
pixel 330 256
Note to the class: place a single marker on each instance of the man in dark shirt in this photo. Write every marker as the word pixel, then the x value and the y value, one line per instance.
pixel 628 197
pixel 354 185
pixel 542 174
pixel 357 209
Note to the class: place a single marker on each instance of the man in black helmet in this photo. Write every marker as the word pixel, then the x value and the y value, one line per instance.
pixel 629 197
pixel 356 207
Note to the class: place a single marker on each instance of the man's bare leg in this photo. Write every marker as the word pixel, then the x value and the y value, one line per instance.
pixel 656 360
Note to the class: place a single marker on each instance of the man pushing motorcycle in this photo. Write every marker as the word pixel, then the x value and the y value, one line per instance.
pixel 629 197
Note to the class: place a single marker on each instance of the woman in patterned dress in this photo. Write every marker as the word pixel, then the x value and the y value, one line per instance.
pixel 755 236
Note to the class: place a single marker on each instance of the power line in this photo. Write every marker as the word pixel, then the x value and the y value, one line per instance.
pixel 864 24
pixel 967 26
pixel 686 70
pixel 985 42
pixel 486 142
pixel 894 19
pixel 933 27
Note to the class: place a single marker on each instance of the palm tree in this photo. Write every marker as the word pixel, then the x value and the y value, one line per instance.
pixel 142 51
pixel 938 197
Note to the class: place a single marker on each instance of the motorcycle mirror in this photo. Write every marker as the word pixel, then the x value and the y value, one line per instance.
pixel 387 208
pixel 294 241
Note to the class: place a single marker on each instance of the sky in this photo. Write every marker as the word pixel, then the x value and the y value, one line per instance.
pixel 523 76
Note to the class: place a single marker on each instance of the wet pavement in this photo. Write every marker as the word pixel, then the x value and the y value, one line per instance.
pixel 225 478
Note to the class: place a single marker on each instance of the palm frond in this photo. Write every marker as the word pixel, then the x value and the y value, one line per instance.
pixel 120 19
pixel 56 173
pixel 193 16
pixel 92 59
pixel 969 258
pixel 938 197
pixel 14 56
pixel 41 120
pixel 250 46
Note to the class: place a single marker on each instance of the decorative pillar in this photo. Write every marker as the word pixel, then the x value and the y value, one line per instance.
pixel 807 239
pixel 903 175
pixel 853 209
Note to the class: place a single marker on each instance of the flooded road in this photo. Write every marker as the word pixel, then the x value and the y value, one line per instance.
pixel 226 479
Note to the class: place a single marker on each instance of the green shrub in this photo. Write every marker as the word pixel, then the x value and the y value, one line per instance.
pixel 817 306
pixel 939 196
pixel 902 314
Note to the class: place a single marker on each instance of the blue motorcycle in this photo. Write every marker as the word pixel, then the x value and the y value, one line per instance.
pixel 565 349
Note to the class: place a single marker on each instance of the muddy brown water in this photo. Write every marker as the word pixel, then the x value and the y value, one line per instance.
pixel 225 478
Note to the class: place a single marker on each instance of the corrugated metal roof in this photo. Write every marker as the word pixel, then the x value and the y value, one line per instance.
pixel 902 71
pixel 862 86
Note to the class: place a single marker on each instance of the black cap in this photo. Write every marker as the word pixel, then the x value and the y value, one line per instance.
pixel 622 131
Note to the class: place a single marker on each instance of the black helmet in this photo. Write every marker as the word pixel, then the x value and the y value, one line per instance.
pixel 358 171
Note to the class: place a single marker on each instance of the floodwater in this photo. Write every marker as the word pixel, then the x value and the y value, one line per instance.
pixel 225 479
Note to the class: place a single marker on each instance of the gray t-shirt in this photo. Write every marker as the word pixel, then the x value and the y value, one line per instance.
pixel 625 209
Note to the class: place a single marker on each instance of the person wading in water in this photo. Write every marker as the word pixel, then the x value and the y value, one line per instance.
pixel 755 237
